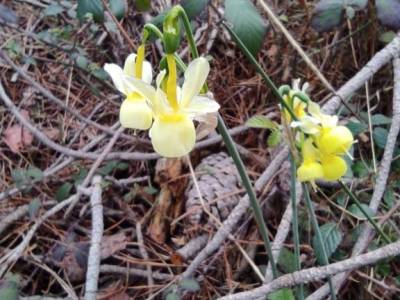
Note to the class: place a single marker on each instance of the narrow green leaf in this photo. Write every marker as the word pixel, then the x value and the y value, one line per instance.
pixel 247 23
pixel 327 15
pixel 260 121
pixel 33 208
pixel 53 10
pixel 190 285
pixel 119 8
pixel 331 236
pixel 64 191
pixel 93 7
pixel 282 294
pixel 274 138
pixel 388 12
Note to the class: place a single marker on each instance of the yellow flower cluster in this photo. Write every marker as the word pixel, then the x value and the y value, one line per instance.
pixel 166 109
pixel 322 141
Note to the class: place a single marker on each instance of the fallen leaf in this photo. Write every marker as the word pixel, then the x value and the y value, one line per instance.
pixel 112 244
pixel 17 137
pixel 52 133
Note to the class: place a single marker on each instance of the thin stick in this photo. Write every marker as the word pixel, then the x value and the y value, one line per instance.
pixel 92 273
pixel 143 252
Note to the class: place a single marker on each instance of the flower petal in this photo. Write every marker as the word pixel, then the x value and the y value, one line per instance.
pixel 147 73
pixel 117 76
pixel 195 76
pixel 336 140
pixel 201 105
pixel 129 65
pixel 137 85
pixel 173 136
pixel 310 171
pixel 135 114
pixel 334 167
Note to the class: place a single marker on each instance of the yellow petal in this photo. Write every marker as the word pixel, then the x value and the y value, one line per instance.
pixel 309 152
pixel 135 113
pixel 310 171
pixel 173 135
pixel 334 167
pixel 336 140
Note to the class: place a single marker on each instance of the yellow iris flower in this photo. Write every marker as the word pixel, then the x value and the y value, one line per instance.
pixel 173 133
pixel 310 169
pixel 135 111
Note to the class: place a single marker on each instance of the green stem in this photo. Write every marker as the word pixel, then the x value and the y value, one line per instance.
pixel 315 225
pixel 188 30
pixel 259 69
pixel 364 212
pixel 148 27
pixel 295 224
pixel 230 144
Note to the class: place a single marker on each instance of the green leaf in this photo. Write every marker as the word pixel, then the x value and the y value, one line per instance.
pixel 118 8
pixel 33 208
pixel 380 136
pixel 63 191
pixel 356 128
pixel 360 170
pixel 388 12
pixel 387 37
pixel 53 10
pixel 190 285
pixel 274 138
pixel 82 62
pixel 34 173
pixel 247 23
pixel 260 121
pixel 282 294
pixel 193 8
pixel 380 119
pixel 331 237
pixel 108 168
pixel 9 288
pixel 80 176
pixel 353 209
pixel 388 197
pixel 327 15
pixel 93 7
pixel 143 5
pixel 287 261
pixel 356 4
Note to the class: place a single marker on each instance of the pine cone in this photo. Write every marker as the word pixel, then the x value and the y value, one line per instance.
pixel 217 178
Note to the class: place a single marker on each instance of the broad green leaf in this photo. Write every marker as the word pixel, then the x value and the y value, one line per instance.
pixel 388 12
pixel 247 23
pixel 327 15
pixel 380 136
pixel 360 170
pixel 193 8
pixel 274 138
pixel 9 288
pixel 80 176
pixel 380 119
pixel 260 121
pixel 190 285
pixel 119 8
pixel 356 127
pixel 331 237
pixel 53 10
pixel 282 294
pixel 93 7
pixel 143 5
pixel 34 173
pixel 388 197
pixel 287 261
pixel 109 167
pixel 33 208
pixel 353 209
pixel 19 177
pixel 64 191
pixel 387 37
pixel 82 62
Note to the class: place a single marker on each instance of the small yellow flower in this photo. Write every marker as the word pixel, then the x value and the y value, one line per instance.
pixel 173 133
pixel 334 167
pixel 310 169
pixel 298 106
pixel 335 141
pixel 135 111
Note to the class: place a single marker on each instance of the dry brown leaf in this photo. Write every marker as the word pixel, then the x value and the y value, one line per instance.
pixel 17 137
pixel 52 133
pixel 112 244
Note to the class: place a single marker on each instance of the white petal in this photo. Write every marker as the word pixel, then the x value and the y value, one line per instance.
pixel 137 85
pixel 160 78
pixel 117 76
pixel 147 72
pixel 173 138
pixel 201 105
pixel 135 114
pixel 161 104
pixel 195 76
pixel 129 66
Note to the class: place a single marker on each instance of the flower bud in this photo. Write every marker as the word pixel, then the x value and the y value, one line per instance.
pixel 171 30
